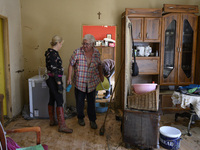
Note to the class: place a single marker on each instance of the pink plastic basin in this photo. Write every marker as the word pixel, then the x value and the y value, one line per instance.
pixel 144 87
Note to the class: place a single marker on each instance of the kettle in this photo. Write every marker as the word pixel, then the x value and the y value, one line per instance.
pixel 147 51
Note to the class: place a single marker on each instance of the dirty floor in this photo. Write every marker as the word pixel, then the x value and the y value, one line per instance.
pixel 85 138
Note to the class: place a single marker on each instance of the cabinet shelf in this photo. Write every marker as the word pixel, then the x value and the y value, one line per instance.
pixel 148 65
pixel 170 35
pixel 187 51
pixel 186 69
pixel 187 34
pixel 169 51
pixel 143 57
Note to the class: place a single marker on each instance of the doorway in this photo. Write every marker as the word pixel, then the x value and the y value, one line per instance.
pixel 5 82
pixel 105 37
pixel 2 69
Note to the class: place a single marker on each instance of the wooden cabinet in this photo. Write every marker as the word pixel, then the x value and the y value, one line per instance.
pixel 167 104
pixel 168 8
pixel 179 34
pixel 146 24
pixel 197 66
pixel 141 128
pixel 146 29
pixel 148 65
pixel 106 52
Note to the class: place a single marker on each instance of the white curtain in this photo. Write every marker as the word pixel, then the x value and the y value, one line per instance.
pixel 128 59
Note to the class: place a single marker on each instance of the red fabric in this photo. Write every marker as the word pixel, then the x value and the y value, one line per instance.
pixel 45 146
pixel 11 144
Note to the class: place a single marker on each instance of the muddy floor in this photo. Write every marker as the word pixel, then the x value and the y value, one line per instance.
pixel 85 138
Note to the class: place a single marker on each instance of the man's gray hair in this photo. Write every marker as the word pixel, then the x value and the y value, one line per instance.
pixel 90 38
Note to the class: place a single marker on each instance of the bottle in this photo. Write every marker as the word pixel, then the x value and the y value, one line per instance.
pixel 138 52
pixel 157 53
pixel 106 43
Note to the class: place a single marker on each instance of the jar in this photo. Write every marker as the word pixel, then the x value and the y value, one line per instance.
pixel 106 43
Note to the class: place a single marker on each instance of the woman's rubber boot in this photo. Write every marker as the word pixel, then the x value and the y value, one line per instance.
pixel 52 116
pixel 61 121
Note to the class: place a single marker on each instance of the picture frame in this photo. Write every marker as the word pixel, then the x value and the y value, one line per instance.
pixel 109 36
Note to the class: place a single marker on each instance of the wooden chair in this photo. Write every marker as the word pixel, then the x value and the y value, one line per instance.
pixel 3 144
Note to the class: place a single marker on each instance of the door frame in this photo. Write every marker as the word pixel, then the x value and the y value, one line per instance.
pixel 7 66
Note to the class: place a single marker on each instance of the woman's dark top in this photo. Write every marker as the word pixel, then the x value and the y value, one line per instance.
pixel 54 64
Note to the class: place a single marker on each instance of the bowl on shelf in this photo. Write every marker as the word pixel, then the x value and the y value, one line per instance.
pixel 152 54
pixel 144 87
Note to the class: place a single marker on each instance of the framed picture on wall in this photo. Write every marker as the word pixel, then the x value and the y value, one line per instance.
pixel 109 36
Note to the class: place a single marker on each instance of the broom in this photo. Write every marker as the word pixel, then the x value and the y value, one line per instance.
pixel 102 129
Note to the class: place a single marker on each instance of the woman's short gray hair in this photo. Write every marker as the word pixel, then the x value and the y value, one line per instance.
pixel 89 37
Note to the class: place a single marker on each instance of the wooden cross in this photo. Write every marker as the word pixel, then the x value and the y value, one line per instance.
pixel 99 14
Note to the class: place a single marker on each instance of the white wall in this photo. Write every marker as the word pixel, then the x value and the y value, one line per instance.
pixel 11 10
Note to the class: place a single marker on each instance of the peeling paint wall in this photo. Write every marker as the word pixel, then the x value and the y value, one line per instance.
pixel 11 10
pixel 42 19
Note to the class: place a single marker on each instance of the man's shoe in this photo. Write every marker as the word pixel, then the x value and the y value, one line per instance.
pixel 93 124
pixel 81 122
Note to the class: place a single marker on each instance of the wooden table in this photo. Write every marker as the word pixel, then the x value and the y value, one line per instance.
pixel 1 109
pixel 192 101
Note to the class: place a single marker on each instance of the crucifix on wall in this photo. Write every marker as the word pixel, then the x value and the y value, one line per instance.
pixel 99 14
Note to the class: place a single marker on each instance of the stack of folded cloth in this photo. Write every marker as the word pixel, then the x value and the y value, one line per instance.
pixel 190 89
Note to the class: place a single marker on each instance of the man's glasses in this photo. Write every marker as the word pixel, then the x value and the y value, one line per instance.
pixel 86 44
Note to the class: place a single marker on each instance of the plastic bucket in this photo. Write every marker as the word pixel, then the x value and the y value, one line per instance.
pixel 170 137
pixel 103 85
pixel 101 107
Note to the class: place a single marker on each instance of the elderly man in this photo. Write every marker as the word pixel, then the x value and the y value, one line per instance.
pixel 87 74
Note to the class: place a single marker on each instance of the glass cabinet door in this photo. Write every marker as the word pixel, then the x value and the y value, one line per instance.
pixel 187 47
pixel 178 50
pixel 169 49
pixel 169 54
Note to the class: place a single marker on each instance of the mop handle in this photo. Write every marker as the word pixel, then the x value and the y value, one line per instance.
pixel 114 89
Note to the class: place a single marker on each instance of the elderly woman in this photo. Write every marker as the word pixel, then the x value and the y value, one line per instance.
pixel 88 73
pixel 54 82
